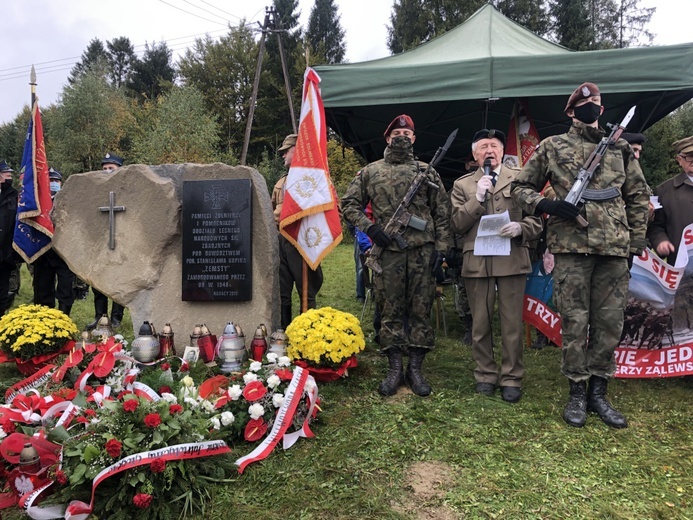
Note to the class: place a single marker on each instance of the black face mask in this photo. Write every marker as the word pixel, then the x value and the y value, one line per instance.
pixel 401 148
pixel 588 113
pixel 6 185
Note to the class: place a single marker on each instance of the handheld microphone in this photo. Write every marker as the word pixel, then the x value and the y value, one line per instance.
pixel 487 171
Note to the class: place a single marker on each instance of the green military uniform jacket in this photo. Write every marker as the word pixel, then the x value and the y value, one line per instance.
pixel 617 227
pixel 384 184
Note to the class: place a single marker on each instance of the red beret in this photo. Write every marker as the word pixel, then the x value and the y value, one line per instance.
pixel 402 121
pixel 582 92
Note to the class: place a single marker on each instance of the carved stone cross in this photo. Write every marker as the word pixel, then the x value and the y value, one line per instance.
pixel 111 209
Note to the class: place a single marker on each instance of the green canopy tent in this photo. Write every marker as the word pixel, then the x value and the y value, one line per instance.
pixel 470 77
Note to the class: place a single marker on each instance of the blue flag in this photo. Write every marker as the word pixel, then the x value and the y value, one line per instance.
pixel 34 228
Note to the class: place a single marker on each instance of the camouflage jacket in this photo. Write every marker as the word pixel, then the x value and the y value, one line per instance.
pixel 616 227
pixel 384 184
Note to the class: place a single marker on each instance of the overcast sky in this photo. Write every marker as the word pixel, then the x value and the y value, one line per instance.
pixel 52 34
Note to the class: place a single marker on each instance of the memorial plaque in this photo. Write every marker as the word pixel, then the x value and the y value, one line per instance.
pixel 217 240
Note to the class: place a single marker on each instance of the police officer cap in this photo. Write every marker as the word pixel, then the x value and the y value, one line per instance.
pixel 582 92
pixel 4 167
pixel 489 134
pixel 684 146
pixel 112 159
pixel 401 121
pixel 55 175
pixel 289 141
pixel 633 138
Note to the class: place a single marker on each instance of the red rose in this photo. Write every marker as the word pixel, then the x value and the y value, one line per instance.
pixel 165 366
pixel 61 477
pixel 113 448
pixel 174 409
pixel 131 405
pixel 165 390
pixel 158 465
pixel 89 412
pixel 184 367
pixel 254 391
pixel 142 500
pixel 152 420
pixel 255 430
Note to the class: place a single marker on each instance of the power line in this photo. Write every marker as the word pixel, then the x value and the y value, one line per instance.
pixel 193 14
pixel 205 10
pixel 225 12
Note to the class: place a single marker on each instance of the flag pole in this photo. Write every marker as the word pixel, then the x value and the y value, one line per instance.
pixel 304 292
pixel 32 82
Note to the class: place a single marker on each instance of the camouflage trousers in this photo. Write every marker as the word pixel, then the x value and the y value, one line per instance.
pixel 404 291
pixel 462 301
pixel 590 293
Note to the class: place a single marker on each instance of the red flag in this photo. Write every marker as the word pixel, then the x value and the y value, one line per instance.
pixel 310 216
pixel 34 228
pixel 522 136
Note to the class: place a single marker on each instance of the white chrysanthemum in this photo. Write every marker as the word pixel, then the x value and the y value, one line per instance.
pixel 227 418
pixel 249 376
pixel 273 381
pixel 192 402
pixel 284 361
pixel 272 357
pixel 255 366
pixel 169 398
pixel 277 400
pixel 207 406
pixel 216 424
pixel 235 392
pixel 256 411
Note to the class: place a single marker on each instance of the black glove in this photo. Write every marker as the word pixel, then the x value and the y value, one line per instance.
pixel 560 208
pixel 378 236
pixel 452 259
pixel 630 261
pixel 436 263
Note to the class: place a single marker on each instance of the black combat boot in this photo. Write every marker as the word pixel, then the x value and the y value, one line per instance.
pixel 575 412
pixel 414 377
pixel 395 375
pixel 286 316
pixel 596 402
pixel 100 308
pixel 467 338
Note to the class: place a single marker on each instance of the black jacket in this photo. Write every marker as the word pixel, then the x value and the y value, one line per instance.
pixel 8 213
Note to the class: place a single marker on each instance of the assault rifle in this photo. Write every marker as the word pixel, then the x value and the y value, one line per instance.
pixel 579 193
pixel 401 218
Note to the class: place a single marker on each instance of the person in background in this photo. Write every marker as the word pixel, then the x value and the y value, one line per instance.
pixel 406 286
pixel 110 163
pixel 489 278
pixel 52 277
pixel 290 260
pixel 665 230
pixel 592 263
pixel 636 140
pixel 8 212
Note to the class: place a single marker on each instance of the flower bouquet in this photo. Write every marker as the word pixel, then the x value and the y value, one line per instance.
pixel 325 341
pixel 32 335
pixel 148 442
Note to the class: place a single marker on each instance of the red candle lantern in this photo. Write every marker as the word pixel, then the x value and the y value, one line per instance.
pixel 258 346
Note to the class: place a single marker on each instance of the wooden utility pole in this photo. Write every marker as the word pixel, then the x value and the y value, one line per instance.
pixel 271 15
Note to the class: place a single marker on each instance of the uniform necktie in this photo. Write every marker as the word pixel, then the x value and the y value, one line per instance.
pixel 494 178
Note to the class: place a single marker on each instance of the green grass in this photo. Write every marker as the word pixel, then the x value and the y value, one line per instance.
pixel 483 458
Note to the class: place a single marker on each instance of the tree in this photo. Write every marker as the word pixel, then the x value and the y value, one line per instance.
pixel 223 72
pixel 325 34
pixel 93 118
pixel 94 57
pixel 571 24
pixel 632 21
pixel 174 128
pixel 153 75
pixel 121 57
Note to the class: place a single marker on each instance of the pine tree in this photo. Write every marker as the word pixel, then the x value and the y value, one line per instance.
pixel 95 56
pixel 153 75
pixel 121 56
pixel 325 34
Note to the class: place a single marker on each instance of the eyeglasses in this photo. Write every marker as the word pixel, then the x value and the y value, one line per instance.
pixel 688 159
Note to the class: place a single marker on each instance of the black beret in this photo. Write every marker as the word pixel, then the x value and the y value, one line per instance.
pixel 633 138
pixel 489 134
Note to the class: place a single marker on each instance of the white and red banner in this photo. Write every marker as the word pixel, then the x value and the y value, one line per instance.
pixel 523 137
pixel 310 215
pixel 657 337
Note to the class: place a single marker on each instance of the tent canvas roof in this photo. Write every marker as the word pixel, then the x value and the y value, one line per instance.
pixel 470 77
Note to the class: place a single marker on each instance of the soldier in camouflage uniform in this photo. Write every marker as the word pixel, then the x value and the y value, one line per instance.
pixel 591 264
pixel 406 286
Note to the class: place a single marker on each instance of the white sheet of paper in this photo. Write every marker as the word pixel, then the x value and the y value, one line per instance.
pixel 488 240
pixel 654 200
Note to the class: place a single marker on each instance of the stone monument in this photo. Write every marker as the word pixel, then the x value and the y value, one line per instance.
pixel 121 232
